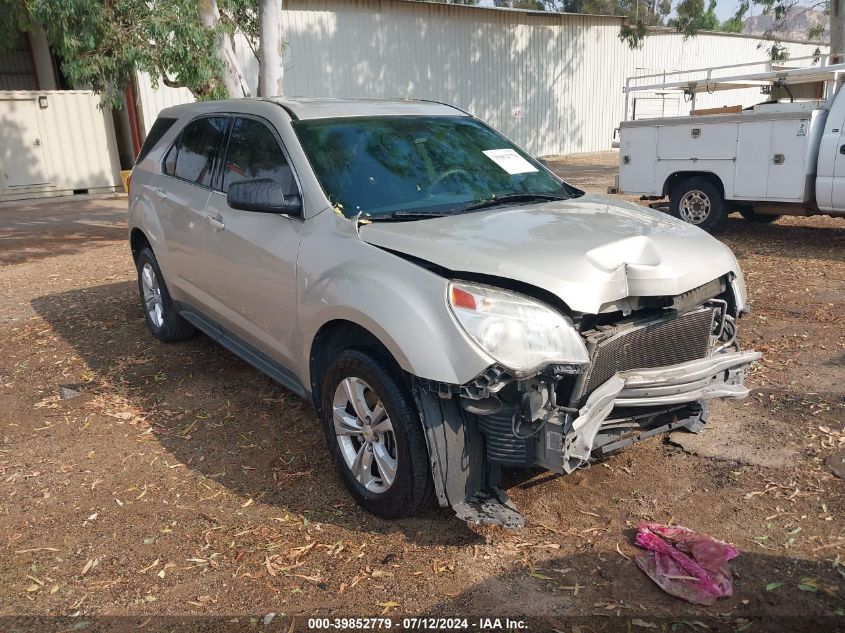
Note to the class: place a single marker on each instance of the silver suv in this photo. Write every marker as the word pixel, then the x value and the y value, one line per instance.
pixel 448 304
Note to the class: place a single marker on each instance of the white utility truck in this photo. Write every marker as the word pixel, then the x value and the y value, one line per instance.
pixel 785 156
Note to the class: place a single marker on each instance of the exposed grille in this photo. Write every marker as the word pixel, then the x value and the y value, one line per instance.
pixel 649 344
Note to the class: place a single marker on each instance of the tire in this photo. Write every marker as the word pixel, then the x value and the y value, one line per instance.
pixel 698 201
pixel 760 218
pixel 373 381
pixel 162 319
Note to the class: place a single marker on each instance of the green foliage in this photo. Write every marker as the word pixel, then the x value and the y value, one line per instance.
pixel 527 5
pixel 101 43
pixel 640 16
pixel 692 17
pixel 733 25
pixel 14 20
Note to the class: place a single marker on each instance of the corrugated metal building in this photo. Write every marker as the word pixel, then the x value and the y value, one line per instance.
pixel 552 82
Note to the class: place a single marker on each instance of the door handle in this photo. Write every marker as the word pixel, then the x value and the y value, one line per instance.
pixel 161 193
pixel 216 223
pixel 778 159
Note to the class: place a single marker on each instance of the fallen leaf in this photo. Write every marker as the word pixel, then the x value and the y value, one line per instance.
pixel 87 567
pixel 808 584
pixel 150 566
pixel 387 606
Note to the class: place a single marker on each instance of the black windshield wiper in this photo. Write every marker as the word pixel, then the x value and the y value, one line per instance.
pixel 510 198
pixel 404 216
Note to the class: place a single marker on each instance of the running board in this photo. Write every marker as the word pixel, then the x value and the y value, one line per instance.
pixel 242 349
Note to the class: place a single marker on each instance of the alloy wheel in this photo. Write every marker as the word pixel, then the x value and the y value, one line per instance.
pixel 152 295
pixel 364 434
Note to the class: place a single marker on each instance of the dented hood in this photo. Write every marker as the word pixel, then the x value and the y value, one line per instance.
pixel 589 251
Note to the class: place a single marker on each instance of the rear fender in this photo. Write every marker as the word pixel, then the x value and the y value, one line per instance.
pixel 143 216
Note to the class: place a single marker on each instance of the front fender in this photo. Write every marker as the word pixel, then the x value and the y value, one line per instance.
pixel 399 302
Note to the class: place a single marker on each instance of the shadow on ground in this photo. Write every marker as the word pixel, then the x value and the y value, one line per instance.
pixel 219 416
pixel 566 592
pixel 31 230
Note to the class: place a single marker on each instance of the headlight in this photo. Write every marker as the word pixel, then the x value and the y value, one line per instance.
pixel 517 331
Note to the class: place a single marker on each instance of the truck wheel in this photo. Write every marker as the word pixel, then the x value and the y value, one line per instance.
pixel 698 201
pixel 760 218
pixel 164 322
pixel 375 436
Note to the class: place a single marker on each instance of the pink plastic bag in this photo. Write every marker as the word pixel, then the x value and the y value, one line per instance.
pixel 686 564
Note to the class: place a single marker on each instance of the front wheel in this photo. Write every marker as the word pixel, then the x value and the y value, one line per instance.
pixel 700 202
pixel 375 436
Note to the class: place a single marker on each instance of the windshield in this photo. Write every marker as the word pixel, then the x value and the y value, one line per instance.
pixel 383 166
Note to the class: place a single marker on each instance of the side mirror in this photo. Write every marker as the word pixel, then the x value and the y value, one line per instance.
pixel 263 195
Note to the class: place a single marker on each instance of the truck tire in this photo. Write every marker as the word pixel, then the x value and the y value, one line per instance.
pixel 698 201
pixel 164 322
pixel 761 218
pixel 375 435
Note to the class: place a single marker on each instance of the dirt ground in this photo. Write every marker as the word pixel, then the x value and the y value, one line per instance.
pixel 183 482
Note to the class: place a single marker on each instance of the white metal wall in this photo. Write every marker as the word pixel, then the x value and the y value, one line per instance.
pixel 152 100
pixel 552 82
pixel 77 140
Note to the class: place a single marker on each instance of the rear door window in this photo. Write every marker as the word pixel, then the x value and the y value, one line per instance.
pixel 198 150
pixel 255 153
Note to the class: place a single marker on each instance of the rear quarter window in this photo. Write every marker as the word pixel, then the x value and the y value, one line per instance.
pixel 159 129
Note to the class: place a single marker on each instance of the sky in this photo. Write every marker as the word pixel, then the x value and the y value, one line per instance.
pixel 724 8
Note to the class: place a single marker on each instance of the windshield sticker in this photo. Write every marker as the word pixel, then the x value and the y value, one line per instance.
pixel 510 161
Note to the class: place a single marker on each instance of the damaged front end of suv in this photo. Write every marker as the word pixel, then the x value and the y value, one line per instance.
pixel 571 386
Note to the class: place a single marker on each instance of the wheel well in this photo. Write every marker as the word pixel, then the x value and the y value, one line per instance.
pixel 137 242
pixel 680 176
pixel 333 338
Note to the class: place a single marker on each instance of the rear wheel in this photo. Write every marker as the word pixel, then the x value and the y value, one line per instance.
pixel 761 218
pixel 700 202
pixel 162 319
pixel 375 435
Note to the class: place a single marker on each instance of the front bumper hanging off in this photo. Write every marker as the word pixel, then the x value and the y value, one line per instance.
pixel 465 478
pixel 717 376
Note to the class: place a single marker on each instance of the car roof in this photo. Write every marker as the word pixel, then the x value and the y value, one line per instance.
pixel 324 108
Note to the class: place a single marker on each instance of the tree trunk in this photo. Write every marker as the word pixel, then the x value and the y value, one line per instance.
pixel 232 79
pixel 270 46
pixel 837 31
